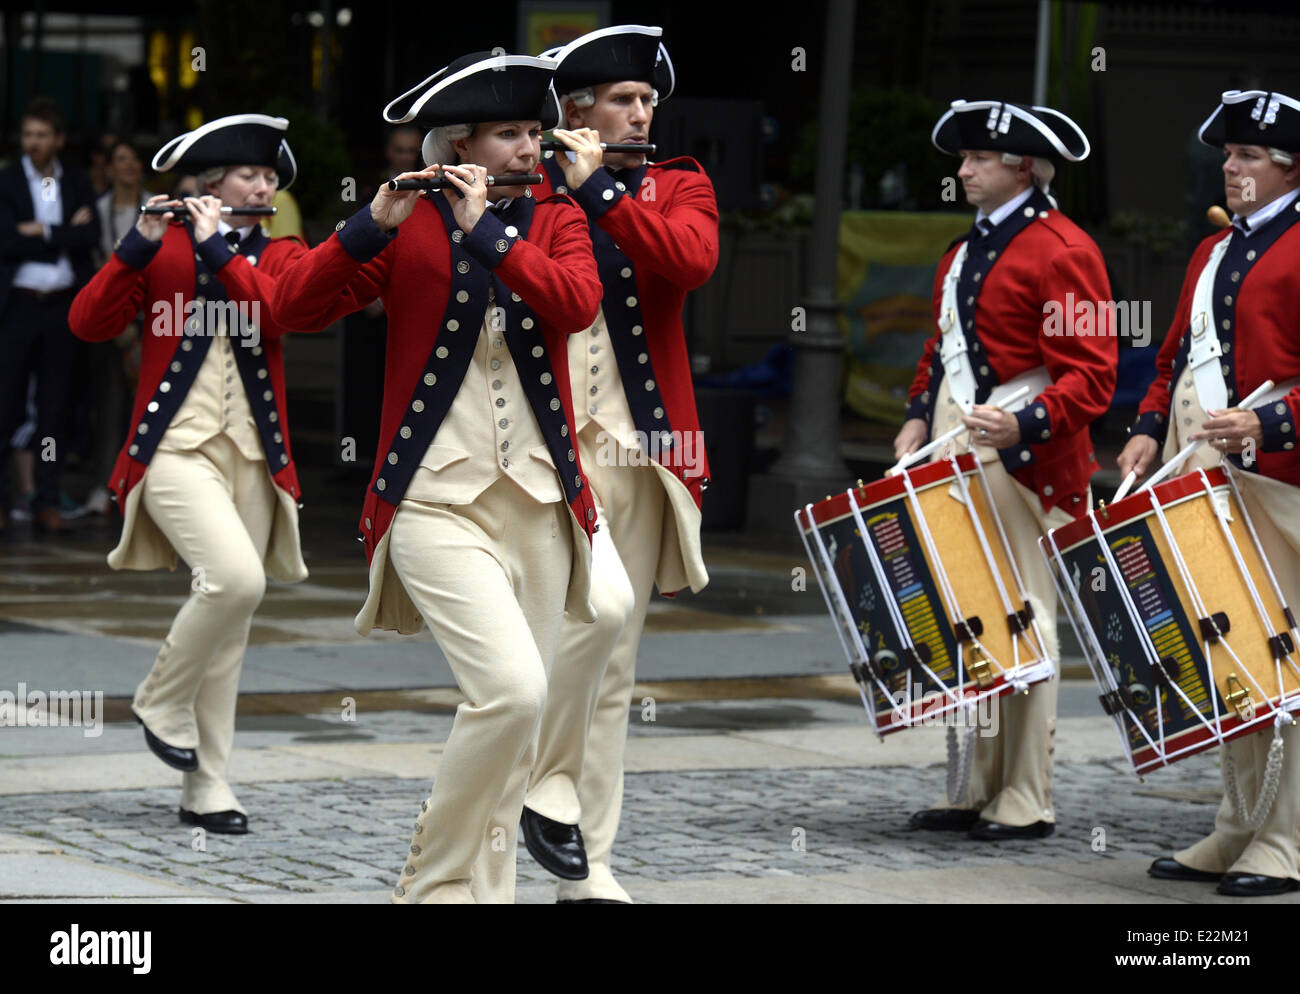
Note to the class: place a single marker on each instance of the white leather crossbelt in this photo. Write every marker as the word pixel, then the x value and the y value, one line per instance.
pixel 1204 352
pixel 953 351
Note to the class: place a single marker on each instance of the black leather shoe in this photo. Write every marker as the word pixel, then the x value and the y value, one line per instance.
pixel 993 831
pixel 591 900
pixel 944 819
pixel 1254 885
pixel 185 760
pixel 221 822
pixel 1170 869
pixel 557 847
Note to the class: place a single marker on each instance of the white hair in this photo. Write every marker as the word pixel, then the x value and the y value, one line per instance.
pixel 214 175
pixel 1280 157
pixel 1042 171
pixel 586 97
pixel 438 147
pixel 582 97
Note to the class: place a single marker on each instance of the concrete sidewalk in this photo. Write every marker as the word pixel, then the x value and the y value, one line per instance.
pixel 731 797
pixel 756 780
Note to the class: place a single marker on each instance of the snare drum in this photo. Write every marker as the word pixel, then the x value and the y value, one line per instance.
pixel 924 592
pixel 1180 616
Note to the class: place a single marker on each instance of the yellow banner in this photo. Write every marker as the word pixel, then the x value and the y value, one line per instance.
pixel 887 263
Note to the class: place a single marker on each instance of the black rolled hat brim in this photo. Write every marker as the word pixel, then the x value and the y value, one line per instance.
pixel 495 88
pixel 661 78
pixel 612 55
pixel 1036 131
pixel 238 140
pixel 1234 121
pixel 286 167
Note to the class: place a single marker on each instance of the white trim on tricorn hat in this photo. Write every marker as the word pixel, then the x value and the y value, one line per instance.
pixel 1264 123
pixel 173 154
pixel 441 83
pixel 1051 133
pixel 663 75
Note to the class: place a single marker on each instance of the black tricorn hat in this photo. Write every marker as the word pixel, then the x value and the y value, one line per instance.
pixel 1254 117
pixel 611 55
pixel 478 87
pixel 1000 126
pixel 238 140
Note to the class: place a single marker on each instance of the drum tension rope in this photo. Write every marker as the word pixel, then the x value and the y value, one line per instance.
pixel 1166 672
pixel 968 630
pixel 1117 700
pixel 1281 645
pixel 1215 626
pixel 1019 621
pixel 918 657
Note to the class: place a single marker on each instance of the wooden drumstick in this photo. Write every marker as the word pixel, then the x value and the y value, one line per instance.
pixel 1191 447
pixel 948 436
pixel 1124 487
pixel 1217 216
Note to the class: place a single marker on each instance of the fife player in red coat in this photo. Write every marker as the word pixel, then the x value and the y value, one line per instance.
pixel 1024 270
pixel 654 232
pixel 478 517
pixel 206 472
pixel 1242 295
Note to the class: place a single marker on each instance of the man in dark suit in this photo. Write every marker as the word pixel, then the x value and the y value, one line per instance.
pixel 48 228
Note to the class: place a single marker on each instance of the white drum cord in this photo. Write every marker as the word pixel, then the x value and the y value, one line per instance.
pixel 960 756
pixel 1267 792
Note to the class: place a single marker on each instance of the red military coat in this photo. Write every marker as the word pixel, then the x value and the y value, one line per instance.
pixel 1261 341
pixel 662 222
pixel 654 234
pixel 434 286
pixel 162 279
pixel 1037 262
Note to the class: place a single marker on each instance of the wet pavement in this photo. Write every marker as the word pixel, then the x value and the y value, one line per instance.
pixel 756 780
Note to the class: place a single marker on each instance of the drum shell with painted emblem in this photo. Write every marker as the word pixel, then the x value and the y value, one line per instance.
pixel 956 656
pixel 1179 616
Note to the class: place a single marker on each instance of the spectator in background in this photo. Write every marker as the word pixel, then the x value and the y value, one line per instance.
pixel 119 205
pixel 402 150
pixel 48 232
pixel 101 152
pixel 24 461
pixel 186 186
pixel 401 155
pixel 118 209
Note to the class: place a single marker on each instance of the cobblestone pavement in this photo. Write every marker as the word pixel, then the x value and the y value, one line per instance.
pixel 351 835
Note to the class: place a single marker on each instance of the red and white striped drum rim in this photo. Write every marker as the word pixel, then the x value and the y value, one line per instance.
pixel 888 488
pixel 1137 505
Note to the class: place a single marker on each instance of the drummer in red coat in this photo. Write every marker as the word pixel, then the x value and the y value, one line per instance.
pixel 478 517
pixel 206 472
pixel 1235 327
pixel 654 232
pixel 1005 297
